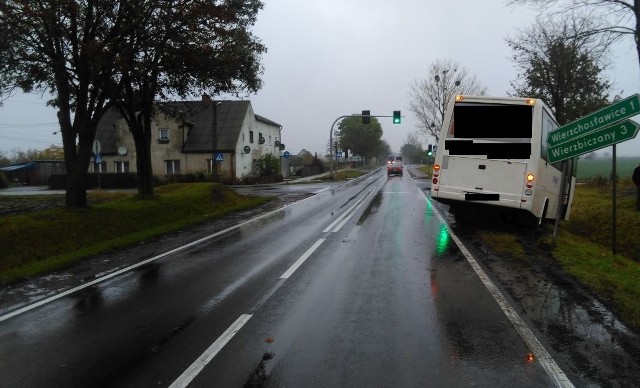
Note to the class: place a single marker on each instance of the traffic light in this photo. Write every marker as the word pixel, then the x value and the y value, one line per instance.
pixel 396 117
pixel 429 150
pixel 366 116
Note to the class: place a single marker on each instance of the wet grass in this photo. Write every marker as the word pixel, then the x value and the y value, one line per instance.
pixel 426 168
pixel 43 240
pixel 345 175
pixel 583 247
pixel 614 279
pixel 503 244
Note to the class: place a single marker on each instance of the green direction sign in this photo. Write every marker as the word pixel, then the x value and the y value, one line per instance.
pixel 592 141
pixel 604 117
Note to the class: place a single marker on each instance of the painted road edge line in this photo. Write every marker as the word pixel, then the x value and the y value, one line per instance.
pixel 194 369
pixel 550 366
pixel 301 260
pixel 50 299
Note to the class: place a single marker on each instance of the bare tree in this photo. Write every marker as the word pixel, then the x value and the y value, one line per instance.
pixel 429 97
pixel 619 18
pixel 412 150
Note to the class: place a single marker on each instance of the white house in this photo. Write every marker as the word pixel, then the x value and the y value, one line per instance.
pixel 182 139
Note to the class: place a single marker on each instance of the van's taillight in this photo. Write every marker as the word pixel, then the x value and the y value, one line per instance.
pixel 530 179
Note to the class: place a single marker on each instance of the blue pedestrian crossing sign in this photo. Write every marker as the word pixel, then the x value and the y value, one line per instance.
pixel 219 157
pixel 286 154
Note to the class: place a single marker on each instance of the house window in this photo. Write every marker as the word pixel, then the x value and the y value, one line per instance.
pixel 121 167
pixel 260 138
pixel 163 135
pixel 269 139
pixel 250 136
pixel 100 167
pixel 172 167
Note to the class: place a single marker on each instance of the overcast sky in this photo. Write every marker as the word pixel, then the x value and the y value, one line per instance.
pixel 336 57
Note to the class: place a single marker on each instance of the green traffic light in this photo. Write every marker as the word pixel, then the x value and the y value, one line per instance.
pixel 396 117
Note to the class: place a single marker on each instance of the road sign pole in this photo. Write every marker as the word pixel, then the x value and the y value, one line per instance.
pixel 559 207
pixel 613 202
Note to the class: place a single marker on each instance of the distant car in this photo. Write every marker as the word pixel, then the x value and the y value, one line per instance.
pixel 395 168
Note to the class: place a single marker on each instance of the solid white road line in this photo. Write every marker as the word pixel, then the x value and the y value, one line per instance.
pixel 188 375
pixel 344 216
pixel 550 366
pixel 127 269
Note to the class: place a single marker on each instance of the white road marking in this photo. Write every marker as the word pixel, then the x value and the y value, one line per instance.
pixel 341 220
pixel 190 373
pixel 127 269
pixel 548 363
pixel 301 260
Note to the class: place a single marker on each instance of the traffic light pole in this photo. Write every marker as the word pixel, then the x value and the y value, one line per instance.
pixel 331 175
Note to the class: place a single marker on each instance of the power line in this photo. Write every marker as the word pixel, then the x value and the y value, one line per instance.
pixel 29 125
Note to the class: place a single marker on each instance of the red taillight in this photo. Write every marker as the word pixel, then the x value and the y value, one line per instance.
pixel 530 179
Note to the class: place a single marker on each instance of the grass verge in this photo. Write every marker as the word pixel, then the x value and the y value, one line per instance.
pixel 583 249
pixel 44 240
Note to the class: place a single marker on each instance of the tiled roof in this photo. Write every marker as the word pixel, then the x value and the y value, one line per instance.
pixel 106 133
pixel 230 117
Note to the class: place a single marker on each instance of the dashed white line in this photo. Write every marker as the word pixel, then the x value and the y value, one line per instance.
pixel 301 260
pixel 194 369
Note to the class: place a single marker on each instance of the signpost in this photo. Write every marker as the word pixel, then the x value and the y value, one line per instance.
pixel 597 130
pixel 97 158
pixel 593 140
pixel 604 117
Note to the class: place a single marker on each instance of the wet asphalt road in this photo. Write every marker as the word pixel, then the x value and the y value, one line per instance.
pixel 381 297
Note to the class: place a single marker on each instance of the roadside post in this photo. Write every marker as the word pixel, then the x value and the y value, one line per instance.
pixel 602 128
pixel 97 158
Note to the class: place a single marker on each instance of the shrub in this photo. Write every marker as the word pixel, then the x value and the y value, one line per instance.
pixel 268 165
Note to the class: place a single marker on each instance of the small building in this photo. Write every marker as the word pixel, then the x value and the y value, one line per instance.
pixel 33 173
pixel 182 140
